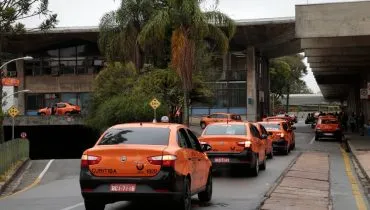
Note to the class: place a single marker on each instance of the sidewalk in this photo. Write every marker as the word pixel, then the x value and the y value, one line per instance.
pixel 305 186
pixel 360 148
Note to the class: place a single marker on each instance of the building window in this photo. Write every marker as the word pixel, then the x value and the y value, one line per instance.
pixel 34 101
pixel 81 59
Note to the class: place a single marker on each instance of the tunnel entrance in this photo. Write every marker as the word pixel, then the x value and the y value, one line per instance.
pixel 56 142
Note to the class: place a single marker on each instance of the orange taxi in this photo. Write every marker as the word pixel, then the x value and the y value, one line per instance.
pixel 61 108
pixel 281 134
pixel 235 144
pixel 219 117
pixel 278 118
pixel 265 137
pixel 146 160
pixel 328 127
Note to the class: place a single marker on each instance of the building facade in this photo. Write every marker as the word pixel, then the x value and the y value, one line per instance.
pixel 66 60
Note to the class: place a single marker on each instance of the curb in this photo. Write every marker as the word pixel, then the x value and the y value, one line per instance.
pixel 278 181
pixel 353 151
pixel 12 177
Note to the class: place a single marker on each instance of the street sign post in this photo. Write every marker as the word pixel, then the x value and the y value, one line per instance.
pixel 155 104
pixel 13 112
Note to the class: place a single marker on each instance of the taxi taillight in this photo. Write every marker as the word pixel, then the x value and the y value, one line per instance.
pixel 163 160
pixel 88 160
pixel 245 144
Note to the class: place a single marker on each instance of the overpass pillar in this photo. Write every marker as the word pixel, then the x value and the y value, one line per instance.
pixel 252 100
pixel 20 75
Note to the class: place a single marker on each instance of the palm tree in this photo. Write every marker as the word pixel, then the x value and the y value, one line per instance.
pixel 119 30
pixel 189 25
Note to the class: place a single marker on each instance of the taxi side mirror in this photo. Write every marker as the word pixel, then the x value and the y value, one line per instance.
pixel 206 147
pixel 264 136
pixel 293 128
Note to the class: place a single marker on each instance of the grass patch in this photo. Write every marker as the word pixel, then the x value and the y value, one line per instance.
pixel 9 173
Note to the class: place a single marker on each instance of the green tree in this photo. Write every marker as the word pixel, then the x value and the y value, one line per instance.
pixel 13 11
pixel 120 28
pixel 189 25
pixel 116 98
pixel 165 84
pixel 286 76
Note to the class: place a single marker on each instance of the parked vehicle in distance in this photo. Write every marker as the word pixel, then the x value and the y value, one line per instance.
pixel 138 161
pixel 61 108
pixel 328 127
pixel 238 145
pixel 219 117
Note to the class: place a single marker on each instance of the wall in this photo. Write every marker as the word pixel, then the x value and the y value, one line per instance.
pixel 9 101
pixel 63 83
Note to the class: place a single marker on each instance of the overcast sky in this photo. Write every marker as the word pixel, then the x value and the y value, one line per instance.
pixel 89 12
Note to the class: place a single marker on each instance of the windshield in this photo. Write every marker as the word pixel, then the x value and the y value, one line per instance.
pixel 225 130
pixel 271 126
pixel 147 136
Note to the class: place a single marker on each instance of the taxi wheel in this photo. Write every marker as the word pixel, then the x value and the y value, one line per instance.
pixel 263 165
pixel 206 195
pixel 293 146
pixel 286 150
pixel 256 167
pixel 202 125
pixel 185 200
pixel 271 154
pixel 93 205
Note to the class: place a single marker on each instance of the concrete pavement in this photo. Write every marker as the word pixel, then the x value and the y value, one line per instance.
pixel 305 186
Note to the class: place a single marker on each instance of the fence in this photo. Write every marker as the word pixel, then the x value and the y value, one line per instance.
pixel 11 152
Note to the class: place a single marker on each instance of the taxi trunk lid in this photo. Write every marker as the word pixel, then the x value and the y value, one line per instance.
pixel 224 143
pixel 126 160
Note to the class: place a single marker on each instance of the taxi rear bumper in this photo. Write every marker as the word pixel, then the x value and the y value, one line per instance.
pixel 328 134
pixel 246 157
pixel 279 144
pixel 167 183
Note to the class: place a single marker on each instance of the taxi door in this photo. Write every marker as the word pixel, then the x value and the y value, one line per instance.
pixel 202 169
pixel 260 144
pixel 288 132
pixel 192 158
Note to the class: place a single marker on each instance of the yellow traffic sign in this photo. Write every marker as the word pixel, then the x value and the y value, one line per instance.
pixel 155 103
pixel 13 111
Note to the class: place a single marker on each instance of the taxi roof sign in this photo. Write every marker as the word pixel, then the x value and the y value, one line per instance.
pixel 154 103
pixel 13 111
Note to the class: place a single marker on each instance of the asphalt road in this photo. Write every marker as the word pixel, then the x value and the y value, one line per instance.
pixel 59 188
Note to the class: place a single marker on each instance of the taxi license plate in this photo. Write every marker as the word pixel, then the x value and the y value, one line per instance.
pixel 123 187
pixel 328 134
pixel 222 160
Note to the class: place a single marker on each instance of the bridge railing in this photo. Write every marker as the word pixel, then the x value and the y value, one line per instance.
pixel 11 152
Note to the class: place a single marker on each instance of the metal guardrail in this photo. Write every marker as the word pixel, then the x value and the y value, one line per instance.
pixel 11 152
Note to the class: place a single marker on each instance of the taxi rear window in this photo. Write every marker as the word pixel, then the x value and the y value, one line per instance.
pixel 329 121
pixel 271 126
pixel 225 130
pixel 136 135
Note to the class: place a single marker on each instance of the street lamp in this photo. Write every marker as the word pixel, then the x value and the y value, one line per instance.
pixel 21 91
pixel 27 58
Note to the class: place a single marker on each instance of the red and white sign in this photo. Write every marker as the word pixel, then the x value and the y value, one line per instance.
pixel 23 135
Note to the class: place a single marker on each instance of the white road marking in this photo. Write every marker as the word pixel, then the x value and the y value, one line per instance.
pixel 36 182
pixel 312 140
pixel 45 169
pixel 74 206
